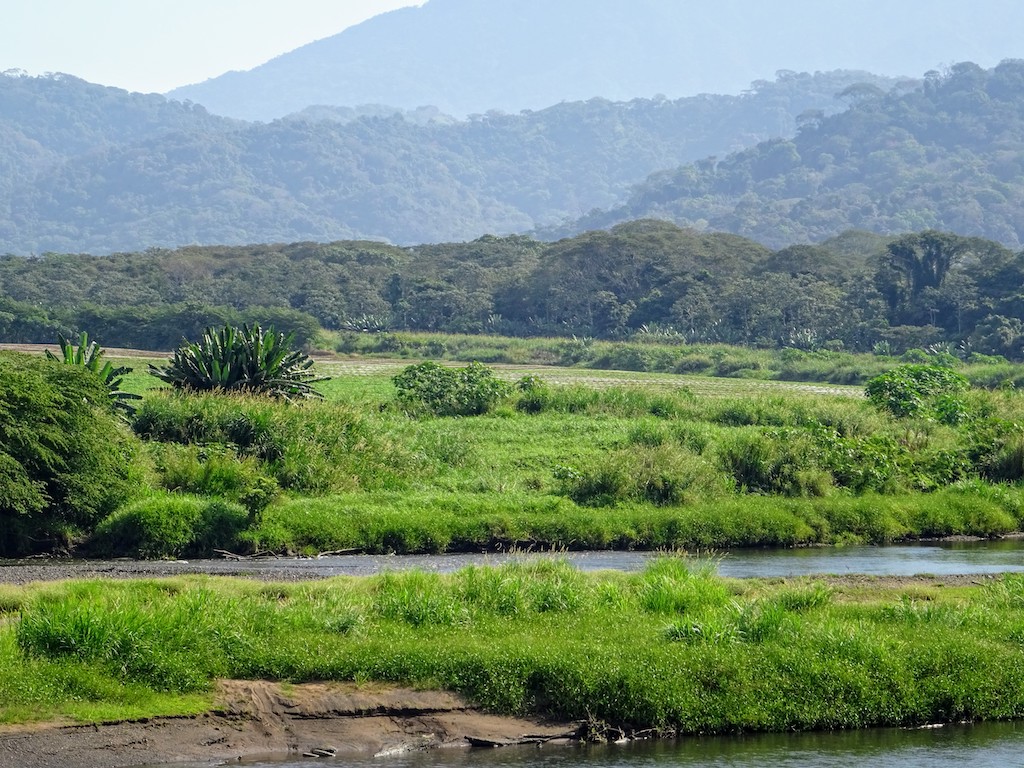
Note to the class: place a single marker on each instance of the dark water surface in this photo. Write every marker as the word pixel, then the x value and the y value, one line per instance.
pixel 997 745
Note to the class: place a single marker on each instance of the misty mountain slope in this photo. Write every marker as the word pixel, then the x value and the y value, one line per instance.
pixel 218 181
pixel 948 155
pixel 470 56
pixel 46 120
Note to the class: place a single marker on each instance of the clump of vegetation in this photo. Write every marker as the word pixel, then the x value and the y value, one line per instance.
pixel 170 525
pixel 65 458
pixel 929 391
pixel 89 355
pixel 310 448
pixel 249 360
pixel 436 389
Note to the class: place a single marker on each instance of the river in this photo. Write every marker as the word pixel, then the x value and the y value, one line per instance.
pixel 933 558
pixel 986 745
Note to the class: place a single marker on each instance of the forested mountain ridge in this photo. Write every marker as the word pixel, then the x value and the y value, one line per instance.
pixel 100 170
pixel 948 154
pixel 45 121
pixel 470 56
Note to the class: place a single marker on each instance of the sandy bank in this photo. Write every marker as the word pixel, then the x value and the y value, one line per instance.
pixel 260 718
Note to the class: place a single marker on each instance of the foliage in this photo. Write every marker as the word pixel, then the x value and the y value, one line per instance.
pixel 919 390
pixel 65 460
pixel 673 296
pixel 170 525
pixel 436 389
pixel 248 360
pixel 542 639
pixel 313 447
pixel 89 355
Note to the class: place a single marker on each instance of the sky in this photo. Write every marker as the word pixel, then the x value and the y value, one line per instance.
pixel 157 45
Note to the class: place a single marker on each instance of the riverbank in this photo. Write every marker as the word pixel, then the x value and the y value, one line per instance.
pixel 260 719
pixel 672 647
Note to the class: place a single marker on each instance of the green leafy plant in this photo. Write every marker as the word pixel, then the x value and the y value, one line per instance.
pixel 247 359
pixel 89 355
pixel 65 461
pixel 432 388
pixel 919 390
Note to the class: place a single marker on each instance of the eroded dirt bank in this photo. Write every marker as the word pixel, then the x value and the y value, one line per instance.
pixel 261 718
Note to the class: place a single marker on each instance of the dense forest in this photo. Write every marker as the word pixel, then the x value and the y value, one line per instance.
pixel 948 154
pixel 87 168
pixel 644 279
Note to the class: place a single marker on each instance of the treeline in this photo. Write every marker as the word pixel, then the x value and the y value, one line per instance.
pixel 645 279
pixel 945 154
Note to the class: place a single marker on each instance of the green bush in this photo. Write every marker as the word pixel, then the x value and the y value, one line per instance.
pixel 782 461
pixel 919 390
pixel 65 458
pixel 659 474
pixel 431 388
pixel 170 525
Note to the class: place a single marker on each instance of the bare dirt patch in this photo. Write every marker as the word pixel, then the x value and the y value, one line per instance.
pixel 255 719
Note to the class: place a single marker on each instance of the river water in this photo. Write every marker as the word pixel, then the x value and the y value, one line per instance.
pixel 987 745
pixel 938 559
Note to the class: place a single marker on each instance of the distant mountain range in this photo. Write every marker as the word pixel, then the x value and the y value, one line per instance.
pixel 94 169
pixel 472 56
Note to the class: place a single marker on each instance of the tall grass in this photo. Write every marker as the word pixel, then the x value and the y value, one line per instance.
pixel 671 648
pixel 437 522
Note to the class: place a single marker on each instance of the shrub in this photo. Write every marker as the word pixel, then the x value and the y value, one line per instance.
pixel 65 459
pixel 914 390
pixel 662 475
pixel 306 447
pixel 774 462
pixel 248 360
pixel 170 525
pixel 441 391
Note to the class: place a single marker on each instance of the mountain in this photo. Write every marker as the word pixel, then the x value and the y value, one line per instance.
pixel 98 169
pixel 946 155
pixel 472 56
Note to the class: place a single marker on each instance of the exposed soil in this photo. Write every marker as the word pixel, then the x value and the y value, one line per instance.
pixel 256 719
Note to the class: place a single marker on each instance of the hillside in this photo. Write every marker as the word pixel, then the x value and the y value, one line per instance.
pixel 471 56
pixel 100 170
pixel 947 155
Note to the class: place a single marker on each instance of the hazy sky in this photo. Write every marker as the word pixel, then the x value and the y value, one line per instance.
pixel 157 45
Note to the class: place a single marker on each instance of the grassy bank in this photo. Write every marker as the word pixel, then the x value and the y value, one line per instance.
pixel 670 648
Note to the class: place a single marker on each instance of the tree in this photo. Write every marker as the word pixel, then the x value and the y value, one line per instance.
pixel 64 457
pixel 914 264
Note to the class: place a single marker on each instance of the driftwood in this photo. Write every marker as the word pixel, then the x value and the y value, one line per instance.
pixel 585 731
pixel 254 556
